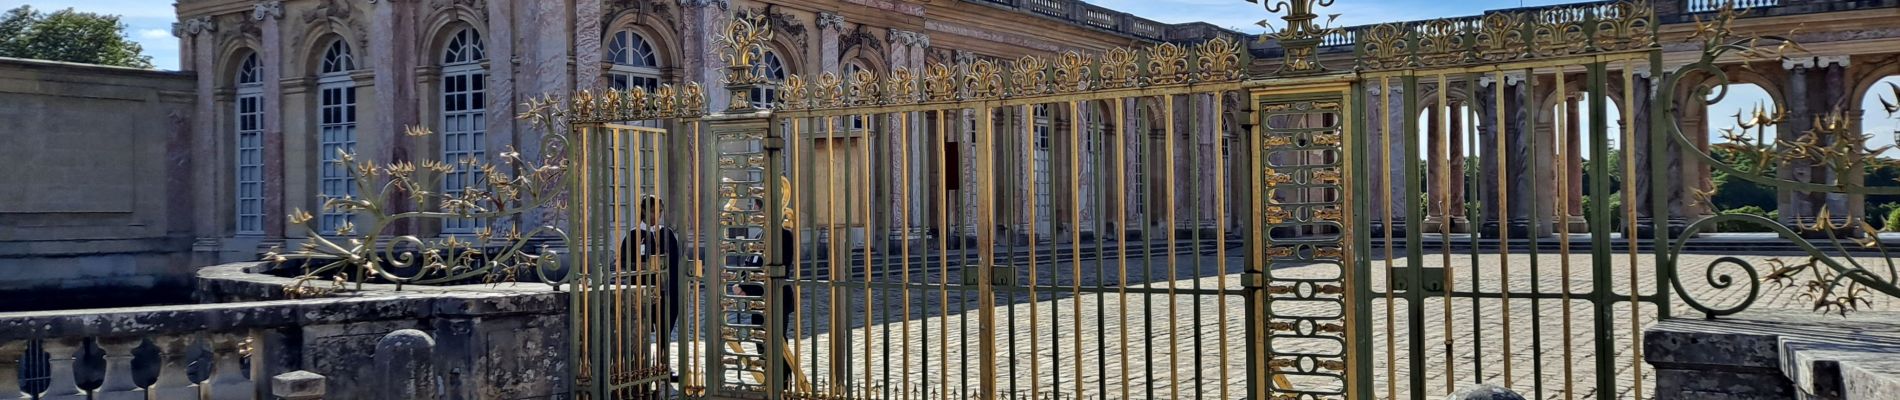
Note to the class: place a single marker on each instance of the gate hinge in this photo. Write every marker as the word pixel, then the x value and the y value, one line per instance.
pixel 1253 279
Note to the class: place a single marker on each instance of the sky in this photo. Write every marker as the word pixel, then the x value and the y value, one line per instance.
pixel 149 23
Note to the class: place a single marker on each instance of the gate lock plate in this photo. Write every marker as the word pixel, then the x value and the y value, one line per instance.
pixel 1000 276
pixel 1433 281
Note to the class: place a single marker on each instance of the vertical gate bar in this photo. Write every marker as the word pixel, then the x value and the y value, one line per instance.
pixel 1629 233
pixel 1120 152
pixel 1500 132
pixel 1099 182
pixel 1147 266
pixel 1076 130
pixel 1562 208
pixel 577 299
pixel 1018 116
pixel 1441 130
pixel 1527 96
pixel 1196 125
pixel 799 174
pixel 1385 169
pixel 1174 342
pixel 968 126
pixel 986 244
pixel 1250 275
pixel 903 178
pixel 1602 294
pixel 943 258
pixel 807 222
pixel 1661 104
pixel 1414 252
pixel 630 280
pixel 773 263
pixel 1358 288
pixel 1474 216
pixel 840 380
pixel 1035 365
pixel 864 194
pixel 1220 237
pixel 692 373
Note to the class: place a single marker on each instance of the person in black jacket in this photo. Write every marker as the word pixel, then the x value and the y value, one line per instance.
pixel 651 254
pixel 788 295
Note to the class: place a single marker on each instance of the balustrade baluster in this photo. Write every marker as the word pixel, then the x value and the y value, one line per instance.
pixel 118 384
pixel 227 372
pixel 174 381
pixel 62 386
pixel 12 354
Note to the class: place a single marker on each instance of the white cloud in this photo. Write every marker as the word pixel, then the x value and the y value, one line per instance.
pixel 154 34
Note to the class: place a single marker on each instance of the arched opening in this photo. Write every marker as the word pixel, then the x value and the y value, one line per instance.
pixel 248 145
pixel 772 68
pixel 464 118
pixel 1880 120
pixel 1738 126
pixel 336 132
pixel 633 63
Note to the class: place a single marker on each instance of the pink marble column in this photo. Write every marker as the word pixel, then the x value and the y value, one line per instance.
pixel 1573 165
pixel 268 14
pixel 900 177
pixel 702 21
pixel 1434 187
pixel 1456 165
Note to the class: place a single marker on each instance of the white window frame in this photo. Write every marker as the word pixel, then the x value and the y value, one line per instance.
pixel 1043 145
pixel 857 122
pixel 336 132
pixel 632 62
pixel 248 148
pixel 464 120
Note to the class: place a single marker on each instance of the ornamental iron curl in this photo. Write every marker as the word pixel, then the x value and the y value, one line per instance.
pixel 1831 277
pixel 400 192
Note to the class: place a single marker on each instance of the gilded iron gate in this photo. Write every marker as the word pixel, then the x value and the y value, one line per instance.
pixel 1392 231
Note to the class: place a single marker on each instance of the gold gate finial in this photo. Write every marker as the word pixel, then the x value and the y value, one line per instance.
pixel 744 39
pixel 1301 37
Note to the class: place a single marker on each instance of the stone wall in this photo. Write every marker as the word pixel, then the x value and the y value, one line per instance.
pixel 502 341
pixel 1776 355
pixel 95 194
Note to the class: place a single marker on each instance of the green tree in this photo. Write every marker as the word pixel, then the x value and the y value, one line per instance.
pixel 70 36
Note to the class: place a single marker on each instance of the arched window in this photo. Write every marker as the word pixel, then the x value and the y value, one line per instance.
pixel 336 131
pixel 249 158
pixel 464 118
pixel 772 69
pixel 851 73
pixel 634 64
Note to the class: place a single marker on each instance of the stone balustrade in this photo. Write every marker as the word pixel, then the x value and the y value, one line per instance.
pixel 232 350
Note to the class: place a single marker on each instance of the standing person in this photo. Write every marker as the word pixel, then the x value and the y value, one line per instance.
pixel 652 245
pixel 788 296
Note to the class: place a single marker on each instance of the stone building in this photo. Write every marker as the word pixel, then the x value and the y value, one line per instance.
pixel 284 85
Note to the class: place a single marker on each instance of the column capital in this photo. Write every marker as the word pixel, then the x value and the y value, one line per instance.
pixel 699 3
pixel 267 10
pixel 909 38
pixel 1819 61
pixel 194 26
pixel 1510 78
pixel 828 20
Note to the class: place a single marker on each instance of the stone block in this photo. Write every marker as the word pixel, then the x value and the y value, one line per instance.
pixel 298 385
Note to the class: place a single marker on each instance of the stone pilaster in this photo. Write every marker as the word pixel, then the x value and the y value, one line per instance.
pixel 211 216
pixel 1531 194
pixel 1643 150
pixel 1834 69
pixel 1794 206
pixel 587 45
pixel 393 59
pixel 701 23
pixel 268 14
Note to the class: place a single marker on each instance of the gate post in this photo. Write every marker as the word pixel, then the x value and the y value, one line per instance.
pixel 750 318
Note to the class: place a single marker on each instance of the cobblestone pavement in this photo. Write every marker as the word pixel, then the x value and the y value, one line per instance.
pixel 1157 346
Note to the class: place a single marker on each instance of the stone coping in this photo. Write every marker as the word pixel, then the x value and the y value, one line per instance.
pixel 245 281
pixel 374 303
pixel 1816 352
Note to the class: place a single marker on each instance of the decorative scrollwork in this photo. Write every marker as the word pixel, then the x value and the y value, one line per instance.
pixel 1118 69
pixel 1833 279
pixel 1167 64
pixel 866 89
pixel 744 39
pixel 902 87
pixel 1071 73
pixel 371 252
pixel 940 83
pixel 632 104
pixel 1219 60
pixel 985 80
pixel 1029 76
